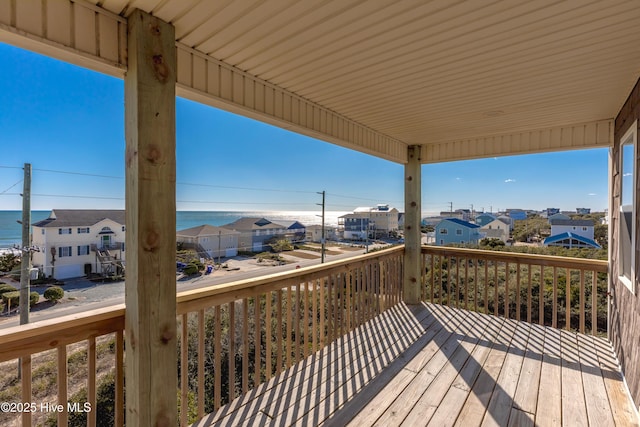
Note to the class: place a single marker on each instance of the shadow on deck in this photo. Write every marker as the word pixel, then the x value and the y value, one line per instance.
pixel 435 365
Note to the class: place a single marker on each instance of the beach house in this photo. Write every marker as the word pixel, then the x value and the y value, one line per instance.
pixel 496 229
pixel 78 242
pixel 210 241
pixel 369 222
pixel 255 233
pixel 454 230
pixel 571 233
pixel 420 335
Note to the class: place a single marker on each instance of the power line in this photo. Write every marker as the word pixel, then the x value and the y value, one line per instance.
pixel 246 188
pixel 79 173
pixel 11 187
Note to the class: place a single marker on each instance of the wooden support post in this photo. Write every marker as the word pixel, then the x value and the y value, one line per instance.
pixel 150 295
pixel 412 236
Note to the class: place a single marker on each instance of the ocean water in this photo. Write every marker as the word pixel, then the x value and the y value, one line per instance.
pixel 11 231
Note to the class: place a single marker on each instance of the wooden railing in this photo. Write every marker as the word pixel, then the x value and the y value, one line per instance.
pixel 562 292
pixel 232 337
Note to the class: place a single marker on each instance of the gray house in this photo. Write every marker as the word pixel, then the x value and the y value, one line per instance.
pixel 255 232
pixel 215 242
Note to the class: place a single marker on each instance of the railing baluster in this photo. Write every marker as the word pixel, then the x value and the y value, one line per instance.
pixel 184 370
pixel 433 271
pixel 541 297
pixel 232 350
pixel 486 286
pixel 348 296
pixel 507 271
pixel 496 280
pixel 314 318
pixel 201 350
pixel 323 305
pixel 245 345
pixel 91 381
pixel 25 372
pixel 217 359
pixel 554 301
pixel 279 345
pixel 529 292
pixel 456 283
pixel 594 303
pixel 466 282
pixel 289 310
pixel 268 335
pixel 568 300
pixel 305 323
pixel 581 301
pixel 476 284
pixel 63 416
pixel 518 291
pixel 257 330
pixel 119 383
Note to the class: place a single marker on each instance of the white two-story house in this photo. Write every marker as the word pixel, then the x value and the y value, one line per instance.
pixel 77 242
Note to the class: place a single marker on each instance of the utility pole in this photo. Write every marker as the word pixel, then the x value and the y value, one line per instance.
pixel 219 248
pixel 322 235
pixel 25 256
pixel 451 207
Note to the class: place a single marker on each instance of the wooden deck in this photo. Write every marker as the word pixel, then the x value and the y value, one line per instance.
pixel 434 365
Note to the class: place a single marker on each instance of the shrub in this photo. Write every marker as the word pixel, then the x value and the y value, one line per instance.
pixel 4 288
pixel 11 299
pixel 190 269
pixel 54 293
pixel 34 297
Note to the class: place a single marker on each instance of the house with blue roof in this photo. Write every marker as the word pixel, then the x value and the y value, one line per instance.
pixel 454 230
pixel 570 233
pixel 484 219
pixel 570 241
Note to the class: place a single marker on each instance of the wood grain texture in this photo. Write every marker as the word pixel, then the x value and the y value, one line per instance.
pixel 151 222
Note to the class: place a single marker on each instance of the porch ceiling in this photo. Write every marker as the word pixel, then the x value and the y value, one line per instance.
pixel 462 79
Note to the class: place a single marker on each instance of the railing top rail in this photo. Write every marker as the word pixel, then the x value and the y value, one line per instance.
pixel 597 265
pixel 248 286
pixel 17 341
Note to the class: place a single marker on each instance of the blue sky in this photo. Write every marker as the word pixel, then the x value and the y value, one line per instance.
pixel 62 118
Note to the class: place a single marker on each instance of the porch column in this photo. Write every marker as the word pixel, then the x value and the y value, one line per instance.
pixel 412 235
pixel 150 291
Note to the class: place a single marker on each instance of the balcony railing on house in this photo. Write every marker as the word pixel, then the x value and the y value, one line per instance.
pixel 232 338
pixel 247 339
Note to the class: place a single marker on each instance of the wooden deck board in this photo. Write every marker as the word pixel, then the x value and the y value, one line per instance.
pixel 442 366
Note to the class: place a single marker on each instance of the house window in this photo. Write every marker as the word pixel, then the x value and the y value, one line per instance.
pixel 627 240
pixel 122 246
pixel 43 231
pixel 83 230
pixel 83 250
pixel 64 251
pixel 123 228
pixel 459 232
pixel 443 231
pixel 584 228
pixel 64 231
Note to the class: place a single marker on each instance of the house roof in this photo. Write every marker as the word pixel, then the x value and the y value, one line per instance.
pixel 252 223
pixel 572 222
pixel 290 225
pixel 205 230
pixel 80 217
pixel 564 236
pixel 460 222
